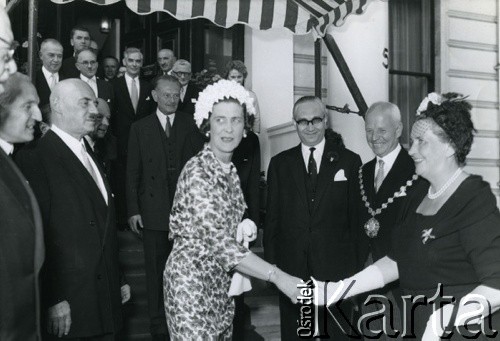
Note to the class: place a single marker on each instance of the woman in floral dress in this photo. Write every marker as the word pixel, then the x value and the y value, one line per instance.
pixel 205 219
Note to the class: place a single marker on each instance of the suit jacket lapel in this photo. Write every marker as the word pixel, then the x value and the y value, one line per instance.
pixel 397 177
pixel 122 83
pixel 368 181
pixel 327 171
pixel 298 169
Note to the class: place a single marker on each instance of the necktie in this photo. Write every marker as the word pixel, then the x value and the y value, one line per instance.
pixel 168 127
pixel 312 168
pixel 93 85
pixel 379 178
pixel 134 94
pixel 90 169
pixel 52 81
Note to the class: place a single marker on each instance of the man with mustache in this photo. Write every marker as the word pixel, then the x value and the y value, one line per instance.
pixel 81 279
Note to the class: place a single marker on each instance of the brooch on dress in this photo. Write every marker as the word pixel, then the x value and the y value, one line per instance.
pixel 426 235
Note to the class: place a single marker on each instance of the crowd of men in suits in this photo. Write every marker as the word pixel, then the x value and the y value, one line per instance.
pixel 111 152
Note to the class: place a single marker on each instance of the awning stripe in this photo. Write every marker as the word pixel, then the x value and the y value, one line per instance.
pixel 299 16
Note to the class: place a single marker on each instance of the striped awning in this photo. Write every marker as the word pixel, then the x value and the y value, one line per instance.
pixel 299 16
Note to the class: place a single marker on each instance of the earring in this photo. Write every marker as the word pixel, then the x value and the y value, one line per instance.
pixel 207 134
pixel 244 133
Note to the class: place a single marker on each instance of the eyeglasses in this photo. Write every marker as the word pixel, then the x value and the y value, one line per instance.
pixel 182 74
pixel 88 63
pixel 172 96
pixel 11 48
pixel 303 123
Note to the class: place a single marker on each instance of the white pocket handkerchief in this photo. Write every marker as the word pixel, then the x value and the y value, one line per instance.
pixel 340 176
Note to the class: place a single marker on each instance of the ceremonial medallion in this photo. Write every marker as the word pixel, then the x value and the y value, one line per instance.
pixel 371 227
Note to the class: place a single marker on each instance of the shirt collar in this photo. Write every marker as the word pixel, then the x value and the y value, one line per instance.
pixel 7 147
pixel 163 118
pixel 390 158
pixel 85 79
pixel 320 147
pixel 48 74
pixel 73 144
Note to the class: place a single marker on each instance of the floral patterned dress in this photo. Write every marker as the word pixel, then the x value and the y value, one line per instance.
pixel 208 206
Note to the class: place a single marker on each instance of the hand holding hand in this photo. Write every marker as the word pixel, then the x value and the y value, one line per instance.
pixel 246 231
pixel 134 222
pixel 59 320
pixel 125 293
pixel 332 294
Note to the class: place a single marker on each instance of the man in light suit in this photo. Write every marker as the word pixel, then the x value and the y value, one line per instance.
pixel 51 53
pixel 80 40
pixel 383 178
pixel 86 63
pixel 21 234
pixel 189 90
pixel 82 287
pixel 311 222
pixel 133 101
pixel 151 187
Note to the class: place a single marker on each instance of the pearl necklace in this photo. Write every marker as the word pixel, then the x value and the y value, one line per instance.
pixel 445 186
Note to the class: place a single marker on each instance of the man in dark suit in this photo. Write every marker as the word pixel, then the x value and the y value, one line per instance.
pixel 189 90
pixel 21 234
pixel 110 67
pixel 165 59
pixel 133 101
pixel 86 63
pixel 80 40
pixel 82 288
pixel 51 52
pixel 101 142
pixel 311 222
pixel 151 187
pixel 384 177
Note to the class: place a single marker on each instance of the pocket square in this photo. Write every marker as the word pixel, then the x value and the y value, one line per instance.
pixel 147 99
pixel 340 176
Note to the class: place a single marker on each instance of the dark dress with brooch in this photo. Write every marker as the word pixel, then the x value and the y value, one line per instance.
pixel 458 247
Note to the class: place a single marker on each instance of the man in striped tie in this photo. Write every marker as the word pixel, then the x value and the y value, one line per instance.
pixel 383 177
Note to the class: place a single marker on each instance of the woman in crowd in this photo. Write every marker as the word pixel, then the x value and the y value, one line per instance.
pixel 237 71
pixel 448 233
pixel 205 221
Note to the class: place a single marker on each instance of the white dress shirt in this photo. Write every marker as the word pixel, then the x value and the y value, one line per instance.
pixel 90 141
pixel 183 92
pixel 163 118
pixel 318 153
pixel 48 75
pixel 389 160
pixel 92 82
pixel 7 147
pixel 76 146
pixel 128 80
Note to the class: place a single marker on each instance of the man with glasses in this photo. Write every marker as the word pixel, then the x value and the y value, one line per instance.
pixel 80 40
pixel 7 47
pixel 86 63
pixel 311 223
pixel 189 90
pixel 151 186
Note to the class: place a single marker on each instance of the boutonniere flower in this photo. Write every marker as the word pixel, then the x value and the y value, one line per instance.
pixel 332 156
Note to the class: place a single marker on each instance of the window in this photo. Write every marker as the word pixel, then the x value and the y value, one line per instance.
pixel 411 56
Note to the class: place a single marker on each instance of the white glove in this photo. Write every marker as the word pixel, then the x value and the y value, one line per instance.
pixel 472 310
pixel 246 231
pixel 369 279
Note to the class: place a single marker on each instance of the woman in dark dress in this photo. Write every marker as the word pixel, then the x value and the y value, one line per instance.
pixel 448 235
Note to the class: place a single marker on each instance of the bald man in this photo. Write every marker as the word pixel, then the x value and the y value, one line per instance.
pixel 21 234
pixel 7 46
pixel 51 53
pixel 81 279
pixel 383 178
